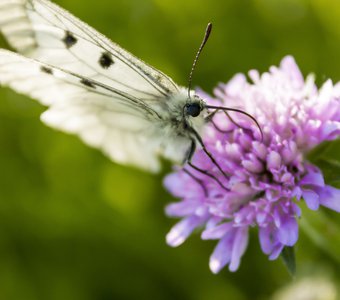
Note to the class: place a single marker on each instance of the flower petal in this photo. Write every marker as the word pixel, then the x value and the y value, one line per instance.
pixel 236 85
pixel 180 232
pixel 276 251
pixel 222 253
pixel 289 65
pixel 311 198
pixel 239 247
pixel 254 165
pixel 313 177
pixel 182 209
pixel 174 183
pixel 260 150
pixel 216 232
pixel 330 130
pixel 330 197
pixel 273 160
pixel 288 232
pixel 266 239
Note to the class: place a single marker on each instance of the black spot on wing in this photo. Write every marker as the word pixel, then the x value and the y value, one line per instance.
pixel 69 39
pixel 46 70
pixel 106 60
pixel 87 83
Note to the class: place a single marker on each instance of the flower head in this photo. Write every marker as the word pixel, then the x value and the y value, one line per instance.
pixel 266 178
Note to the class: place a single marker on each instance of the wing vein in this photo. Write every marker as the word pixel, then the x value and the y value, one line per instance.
pixel 88 32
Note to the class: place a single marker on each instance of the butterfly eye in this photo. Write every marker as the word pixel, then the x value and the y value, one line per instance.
pixel 193 109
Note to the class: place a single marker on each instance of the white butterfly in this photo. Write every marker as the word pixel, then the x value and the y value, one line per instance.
pixel 97 90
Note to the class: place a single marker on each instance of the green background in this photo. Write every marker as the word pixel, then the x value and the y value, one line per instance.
pixel 74 225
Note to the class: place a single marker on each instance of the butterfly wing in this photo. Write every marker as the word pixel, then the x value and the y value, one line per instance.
pixel 40 29
pixel 93 88
pixel 101 116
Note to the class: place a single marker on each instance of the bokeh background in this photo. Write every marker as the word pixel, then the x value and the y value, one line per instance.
pixel 74 225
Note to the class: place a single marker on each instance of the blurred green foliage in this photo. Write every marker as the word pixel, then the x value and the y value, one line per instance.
pixel 74 225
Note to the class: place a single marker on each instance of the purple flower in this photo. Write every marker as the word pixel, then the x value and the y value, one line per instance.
pixel 266 178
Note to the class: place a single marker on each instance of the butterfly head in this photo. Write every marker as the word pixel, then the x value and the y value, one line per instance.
pixel 193 113
pixel 193 109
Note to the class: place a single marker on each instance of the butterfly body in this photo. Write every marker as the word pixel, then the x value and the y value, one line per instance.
pixel 96 89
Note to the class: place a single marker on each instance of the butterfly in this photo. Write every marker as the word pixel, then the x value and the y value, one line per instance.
pixel 95 89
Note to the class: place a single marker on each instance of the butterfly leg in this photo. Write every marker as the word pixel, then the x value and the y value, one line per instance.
pixel 200 141
pixel 205 172
pixel 199 181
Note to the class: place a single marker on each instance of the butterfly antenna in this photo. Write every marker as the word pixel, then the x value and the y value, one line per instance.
pixel 205 39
